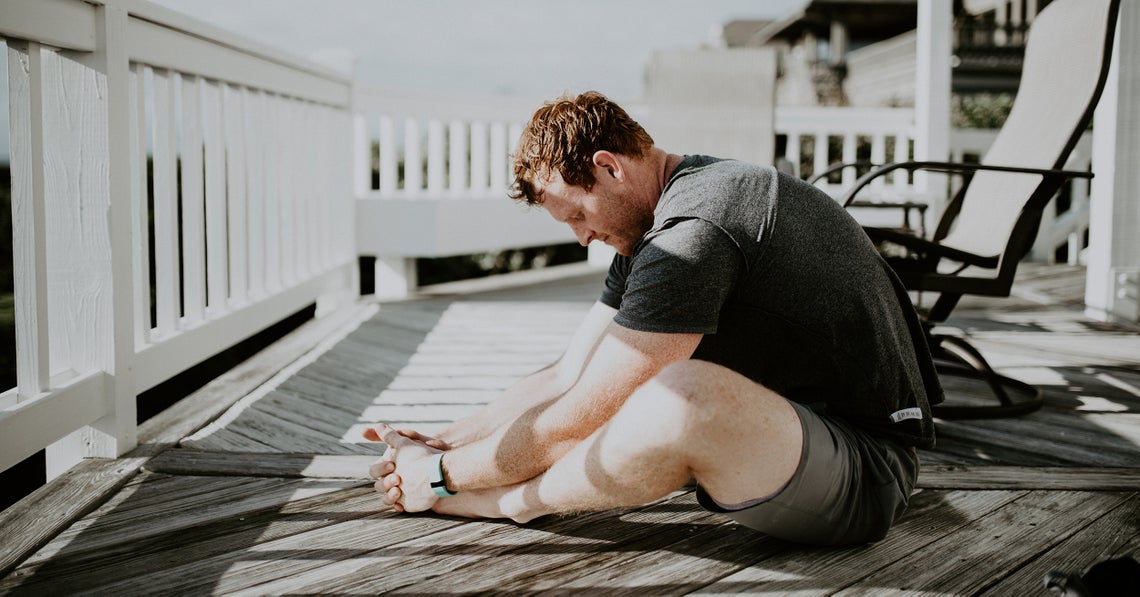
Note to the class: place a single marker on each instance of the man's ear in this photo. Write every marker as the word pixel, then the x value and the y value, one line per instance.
pixel 609 162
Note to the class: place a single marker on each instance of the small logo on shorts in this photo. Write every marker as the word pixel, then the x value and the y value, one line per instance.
pixel 906 413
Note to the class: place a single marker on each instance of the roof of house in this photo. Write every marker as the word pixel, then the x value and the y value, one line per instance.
pixel 865 19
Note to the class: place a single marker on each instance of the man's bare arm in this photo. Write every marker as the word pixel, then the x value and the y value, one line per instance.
pixel 525 445
pixel 539 387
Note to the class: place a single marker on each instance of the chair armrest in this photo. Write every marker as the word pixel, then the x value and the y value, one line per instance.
pixel 930 248
pixel 952 168
pixel 836 167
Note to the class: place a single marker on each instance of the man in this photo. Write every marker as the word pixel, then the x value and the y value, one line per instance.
pixel 748 337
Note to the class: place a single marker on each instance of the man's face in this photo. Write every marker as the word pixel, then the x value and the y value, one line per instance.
pixel 605 212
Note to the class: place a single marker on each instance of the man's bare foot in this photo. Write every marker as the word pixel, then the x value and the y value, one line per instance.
pixel 482 503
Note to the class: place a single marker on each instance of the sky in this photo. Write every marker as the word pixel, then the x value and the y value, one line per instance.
pixel 532 49
pixel 528 48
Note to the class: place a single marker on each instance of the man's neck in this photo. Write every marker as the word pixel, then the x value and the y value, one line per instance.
pixel 653 172
pixel 672 160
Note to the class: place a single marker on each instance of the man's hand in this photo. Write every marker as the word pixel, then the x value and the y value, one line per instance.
pixel 402 474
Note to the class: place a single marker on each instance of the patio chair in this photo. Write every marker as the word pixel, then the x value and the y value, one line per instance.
pixel 991 223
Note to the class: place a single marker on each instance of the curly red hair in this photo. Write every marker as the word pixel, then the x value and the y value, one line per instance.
pixel 563 135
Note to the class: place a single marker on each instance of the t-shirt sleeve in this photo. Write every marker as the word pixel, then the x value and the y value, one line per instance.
pixel 615 282
pixel 678 280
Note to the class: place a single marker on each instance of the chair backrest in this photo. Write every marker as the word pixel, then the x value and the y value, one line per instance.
pixel 1063 74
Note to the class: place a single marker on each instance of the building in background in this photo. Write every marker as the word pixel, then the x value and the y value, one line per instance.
pixel 861 53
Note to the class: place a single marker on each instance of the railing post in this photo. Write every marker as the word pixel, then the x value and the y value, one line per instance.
pixel 111 349
pixel 1112 289
pixel 932 98
pixel 395 276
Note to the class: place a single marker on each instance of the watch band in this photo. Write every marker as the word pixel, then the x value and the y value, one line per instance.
pixel 438 485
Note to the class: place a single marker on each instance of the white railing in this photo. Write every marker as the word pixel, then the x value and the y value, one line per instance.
pixel 242 222
pixel 432 171
pixel 442 172
pixel 819 137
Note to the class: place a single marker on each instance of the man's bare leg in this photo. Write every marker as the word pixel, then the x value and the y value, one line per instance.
pixel 696 419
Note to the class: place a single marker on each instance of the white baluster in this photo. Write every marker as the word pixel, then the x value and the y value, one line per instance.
pixel 140 252
pixel 274 152
pixel 513 138
pixel 413 158
pixel 255 189
pixel 498 157
pixel 299 174
pixel 217 276
pixel 389 155
pixel 362 155
pixel 236 193
pixel 820 157
pixel 792 151
pixel 878 157
pixel 479 173
pixel 193 203
pixel 288 195
pixel 457 159
pixel 163 129
pixel 849 155
pixel 436 154
pixel 902 154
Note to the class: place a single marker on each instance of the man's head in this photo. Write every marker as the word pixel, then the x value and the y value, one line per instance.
pixel 563 136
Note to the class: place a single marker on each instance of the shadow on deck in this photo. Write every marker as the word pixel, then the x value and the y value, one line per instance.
pixel 268 497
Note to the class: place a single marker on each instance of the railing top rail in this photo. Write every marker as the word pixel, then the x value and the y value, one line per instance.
pixel 441 105
pixel 177 21
pixel 841 119
pixel 167 39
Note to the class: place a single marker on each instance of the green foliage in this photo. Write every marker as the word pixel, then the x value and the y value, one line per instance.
pixel 980 111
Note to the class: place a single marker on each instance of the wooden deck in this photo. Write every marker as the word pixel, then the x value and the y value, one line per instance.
pixel 268 497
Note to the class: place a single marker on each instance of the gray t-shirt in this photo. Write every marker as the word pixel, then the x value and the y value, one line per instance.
pixel 787 290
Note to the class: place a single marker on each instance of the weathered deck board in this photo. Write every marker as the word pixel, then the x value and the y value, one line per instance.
pixel 932 515
pixel 32 522
pixel 270 498
pixel 83 561
pixel 987 549
pixel 1116 534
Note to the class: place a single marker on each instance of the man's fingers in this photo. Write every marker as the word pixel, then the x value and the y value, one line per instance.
pixel 393 497
pixel 389 493
pixel 382 433
pixel 391 481
pixel 381 468
pixel 428 440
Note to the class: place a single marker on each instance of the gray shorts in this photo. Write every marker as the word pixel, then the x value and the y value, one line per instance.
pixel 849 487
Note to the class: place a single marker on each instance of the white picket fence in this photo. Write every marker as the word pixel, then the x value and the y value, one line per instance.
pixel 260 199
pixel 248 220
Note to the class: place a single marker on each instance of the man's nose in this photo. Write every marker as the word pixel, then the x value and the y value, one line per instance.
pixel 584 234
